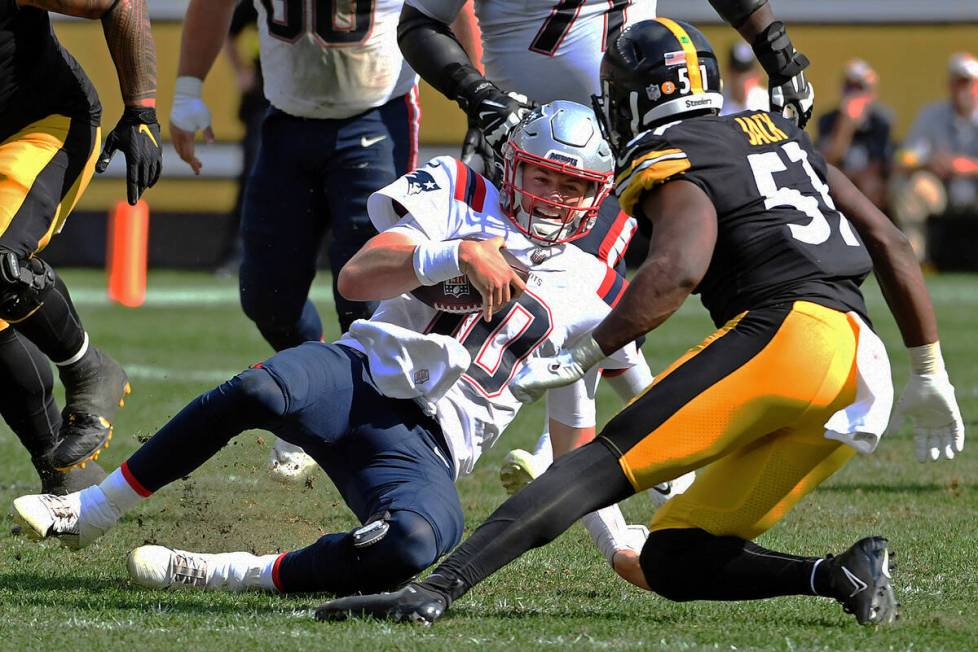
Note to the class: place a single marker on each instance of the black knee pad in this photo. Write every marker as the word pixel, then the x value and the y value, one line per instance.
pixel 24 282
pixel 258 392
pixel 393 548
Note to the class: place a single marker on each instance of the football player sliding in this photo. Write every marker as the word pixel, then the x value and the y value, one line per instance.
pixel 407 401
pixel 794 383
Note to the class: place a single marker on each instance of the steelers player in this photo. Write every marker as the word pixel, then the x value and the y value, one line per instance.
pixel 49 131
pixel 794 382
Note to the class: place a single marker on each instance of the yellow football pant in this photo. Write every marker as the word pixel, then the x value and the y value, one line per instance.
pixel 749 404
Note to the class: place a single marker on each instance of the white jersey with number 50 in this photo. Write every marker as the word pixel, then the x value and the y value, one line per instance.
pixel 413 348
pixel 546 49
pixel 331 58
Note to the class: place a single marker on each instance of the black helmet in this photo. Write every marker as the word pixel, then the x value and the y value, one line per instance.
pixel 656 70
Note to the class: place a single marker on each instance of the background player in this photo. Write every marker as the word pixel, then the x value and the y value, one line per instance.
pixel 343 123
pixel 49 132
pixel 408 400
pixel 782 396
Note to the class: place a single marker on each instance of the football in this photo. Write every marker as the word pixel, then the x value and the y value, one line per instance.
pixel 457 295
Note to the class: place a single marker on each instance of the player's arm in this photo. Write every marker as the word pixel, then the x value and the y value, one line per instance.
pixel 130 40
pixel 790 93
pixel 435 53
pixel 205 29
pixel 928 398
pixel 393 262
pixel 685 226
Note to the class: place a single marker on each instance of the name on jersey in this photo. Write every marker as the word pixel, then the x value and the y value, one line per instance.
pixel 760 129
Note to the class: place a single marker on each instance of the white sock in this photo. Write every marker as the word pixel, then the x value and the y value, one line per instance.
pixel 78 355
pixel 633 382
pixel 607 528
pixel 240 571
pixel 119 492
pixel 543 453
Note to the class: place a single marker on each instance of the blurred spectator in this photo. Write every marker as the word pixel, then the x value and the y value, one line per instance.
pixel 855 137
pixel 743 86
pixel 940 159
pixel 241 50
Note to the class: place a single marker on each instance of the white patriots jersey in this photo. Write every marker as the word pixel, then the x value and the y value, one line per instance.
pixel 331 60
pixel 568 294
pixel 545 49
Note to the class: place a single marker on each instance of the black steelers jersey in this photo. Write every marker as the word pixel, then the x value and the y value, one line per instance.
pixel 779 236
pixel 38 77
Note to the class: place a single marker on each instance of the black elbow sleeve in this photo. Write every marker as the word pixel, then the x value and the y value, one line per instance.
pixel 433 51
pixel 736 12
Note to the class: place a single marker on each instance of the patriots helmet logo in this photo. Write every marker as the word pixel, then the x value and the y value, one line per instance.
pixel 421 181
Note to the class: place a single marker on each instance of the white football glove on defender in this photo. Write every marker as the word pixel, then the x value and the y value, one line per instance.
pixel 569 365
pixel 189 111
pixel 928 402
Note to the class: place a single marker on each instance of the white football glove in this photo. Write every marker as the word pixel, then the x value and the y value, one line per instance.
pixel 189 111
pixel 928 402
pixel 541 374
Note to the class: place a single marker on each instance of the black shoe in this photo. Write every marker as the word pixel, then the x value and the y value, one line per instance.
pixel 414 603
pixel 95 389
pixel 860 580
pixel 61 483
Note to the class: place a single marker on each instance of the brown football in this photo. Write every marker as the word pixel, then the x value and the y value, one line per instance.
pixel 457 295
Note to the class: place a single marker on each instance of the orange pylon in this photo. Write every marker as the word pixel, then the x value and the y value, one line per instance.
pixel 125 261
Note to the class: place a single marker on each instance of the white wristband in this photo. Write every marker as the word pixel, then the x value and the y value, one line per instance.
pixel 188 86
pixel 435 262
pixel 926 359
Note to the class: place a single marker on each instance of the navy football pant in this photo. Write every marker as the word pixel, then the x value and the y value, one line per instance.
pixel 314 176
pixel 386 458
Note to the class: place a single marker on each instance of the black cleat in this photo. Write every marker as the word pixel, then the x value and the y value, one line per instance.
pixel 95 388
pixel 414 603
pixel 860 580
pixel 61 483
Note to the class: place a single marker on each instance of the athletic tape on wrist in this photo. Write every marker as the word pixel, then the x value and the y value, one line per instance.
pixel 187 86
pixel 926 359
pixel 435 262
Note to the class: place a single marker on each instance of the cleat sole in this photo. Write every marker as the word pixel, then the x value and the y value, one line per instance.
pixel 90 457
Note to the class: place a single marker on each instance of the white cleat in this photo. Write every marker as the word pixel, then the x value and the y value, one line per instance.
pixel 518 469
pixel 289 464
pixel 159 567
pixel 46 516
pixel 663 491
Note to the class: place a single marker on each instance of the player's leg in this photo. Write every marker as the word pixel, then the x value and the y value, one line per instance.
pixel 365 161
pixel 271 396
pixel 759 374
pixel 282 227
pixel 46 167
pixel 391 468
pixel 28 407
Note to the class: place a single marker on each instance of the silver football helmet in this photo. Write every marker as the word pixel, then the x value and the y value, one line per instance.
pixel 563 137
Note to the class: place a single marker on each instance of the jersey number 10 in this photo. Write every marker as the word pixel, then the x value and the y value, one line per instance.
pixel 336 23
pixel 766 164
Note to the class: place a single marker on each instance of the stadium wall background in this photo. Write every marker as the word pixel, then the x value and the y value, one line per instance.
pixel 188 214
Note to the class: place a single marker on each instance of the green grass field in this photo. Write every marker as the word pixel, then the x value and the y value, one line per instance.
pixel 191 335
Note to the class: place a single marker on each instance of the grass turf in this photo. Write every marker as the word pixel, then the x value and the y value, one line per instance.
pixel 191 335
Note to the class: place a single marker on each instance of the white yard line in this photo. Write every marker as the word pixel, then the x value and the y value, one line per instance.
pixel 187 296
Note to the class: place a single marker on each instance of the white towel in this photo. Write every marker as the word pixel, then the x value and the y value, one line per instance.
pixel 862 423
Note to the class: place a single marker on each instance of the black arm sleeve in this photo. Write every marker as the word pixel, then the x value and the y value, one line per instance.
pixel 433 51
pixel 736 12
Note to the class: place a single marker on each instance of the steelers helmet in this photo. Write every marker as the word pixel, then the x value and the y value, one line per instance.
pixel 656 71
pixel 562 137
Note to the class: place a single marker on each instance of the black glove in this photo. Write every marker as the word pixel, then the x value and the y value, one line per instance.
pixel 138 136
pixel 478 156
pixel 494 112
pixel 791 94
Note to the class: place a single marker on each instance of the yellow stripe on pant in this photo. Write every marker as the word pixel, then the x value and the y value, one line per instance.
pixel 759 393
